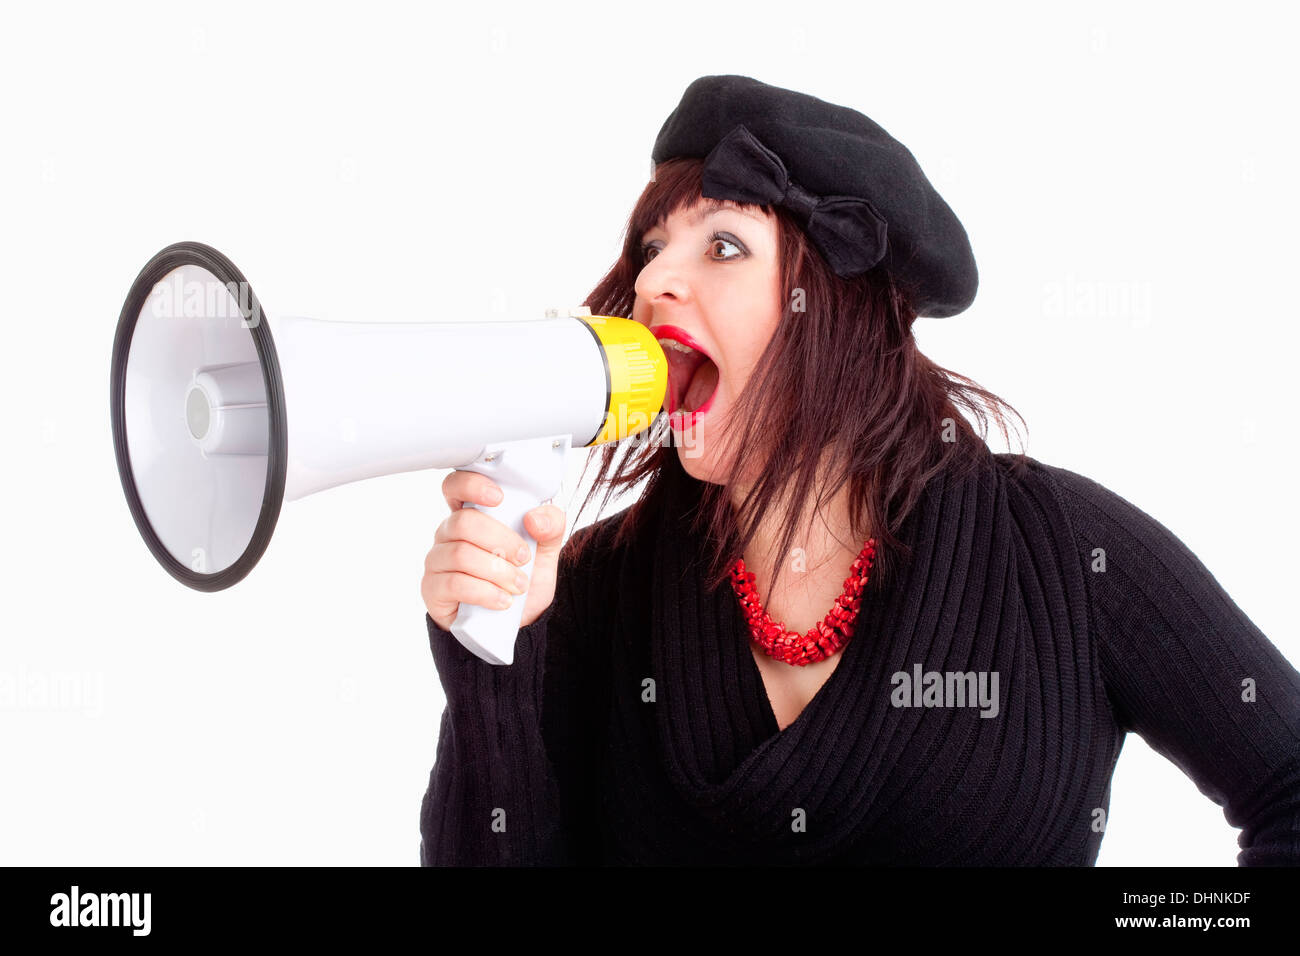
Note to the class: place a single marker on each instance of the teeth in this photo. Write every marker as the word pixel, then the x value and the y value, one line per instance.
pixel 674 344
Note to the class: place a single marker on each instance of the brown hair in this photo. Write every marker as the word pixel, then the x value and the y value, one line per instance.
pixel 841 376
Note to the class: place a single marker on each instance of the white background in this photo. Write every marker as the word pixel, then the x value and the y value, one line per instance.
pixel 1126 173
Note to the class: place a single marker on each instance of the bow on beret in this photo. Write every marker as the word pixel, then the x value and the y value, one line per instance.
pixel 857 192
pixel 848 231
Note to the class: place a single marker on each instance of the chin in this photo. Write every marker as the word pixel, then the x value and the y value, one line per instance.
pixel 700 467
pixel 700 457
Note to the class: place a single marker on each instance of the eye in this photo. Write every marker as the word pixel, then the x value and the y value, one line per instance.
pixel 719 237
pixel 715 238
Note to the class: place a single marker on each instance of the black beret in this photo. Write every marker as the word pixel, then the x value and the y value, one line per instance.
pixel 859 193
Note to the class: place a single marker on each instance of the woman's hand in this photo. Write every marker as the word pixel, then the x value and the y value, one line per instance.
pixel 475 557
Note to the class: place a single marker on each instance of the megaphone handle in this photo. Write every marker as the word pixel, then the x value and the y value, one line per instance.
pixel 528 472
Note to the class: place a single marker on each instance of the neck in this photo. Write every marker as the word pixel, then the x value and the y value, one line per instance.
pixel 820 554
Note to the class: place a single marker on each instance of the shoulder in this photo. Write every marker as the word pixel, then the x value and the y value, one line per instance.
pixel 1100 518
pixel 1030 472
pixel 1080 496
pixel 593 545
pixel 590 567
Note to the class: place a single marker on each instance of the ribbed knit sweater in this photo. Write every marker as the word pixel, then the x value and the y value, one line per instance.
pixel 634 728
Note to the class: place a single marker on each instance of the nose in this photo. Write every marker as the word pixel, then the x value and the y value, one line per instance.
pixel 661 280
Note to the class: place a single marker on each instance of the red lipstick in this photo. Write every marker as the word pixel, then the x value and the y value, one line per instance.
pixel 684 367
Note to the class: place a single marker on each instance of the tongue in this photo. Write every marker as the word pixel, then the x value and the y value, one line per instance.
pixel 702 385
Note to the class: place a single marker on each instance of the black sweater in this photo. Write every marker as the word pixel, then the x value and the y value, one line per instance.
pixel 634 728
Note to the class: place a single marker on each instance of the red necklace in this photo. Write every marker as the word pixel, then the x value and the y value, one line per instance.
pixel 823 640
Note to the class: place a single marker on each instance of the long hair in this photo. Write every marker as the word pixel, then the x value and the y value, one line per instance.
pixel 841 386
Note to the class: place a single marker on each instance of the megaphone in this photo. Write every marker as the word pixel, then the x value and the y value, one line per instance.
pixel 221 413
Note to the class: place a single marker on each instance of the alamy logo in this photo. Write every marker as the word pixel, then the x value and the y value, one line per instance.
pixel 101 909
pixel 946 689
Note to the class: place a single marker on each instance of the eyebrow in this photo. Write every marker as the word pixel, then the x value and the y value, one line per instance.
pixel 711 207
pixel 714 206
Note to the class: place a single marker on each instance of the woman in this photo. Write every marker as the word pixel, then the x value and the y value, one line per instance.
pixel 681 692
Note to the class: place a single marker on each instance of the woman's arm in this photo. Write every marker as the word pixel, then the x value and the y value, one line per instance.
pixel 1186 669
pixel 512 782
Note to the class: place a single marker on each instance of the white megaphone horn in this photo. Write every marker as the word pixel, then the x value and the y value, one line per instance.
pixel 221 413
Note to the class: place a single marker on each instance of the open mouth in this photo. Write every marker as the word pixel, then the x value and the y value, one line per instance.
pixel 692 378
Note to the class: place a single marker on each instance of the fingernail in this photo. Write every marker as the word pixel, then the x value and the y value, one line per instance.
pixel 521 582
pixel 494 495
pixel 543 523
pixel 524 554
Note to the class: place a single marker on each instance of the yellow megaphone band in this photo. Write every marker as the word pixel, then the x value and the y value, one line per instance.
pixel 636 375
